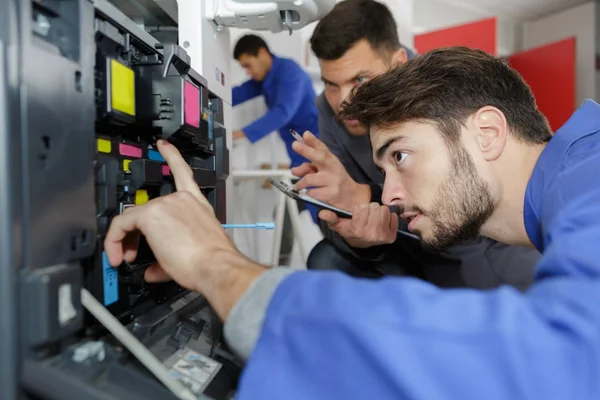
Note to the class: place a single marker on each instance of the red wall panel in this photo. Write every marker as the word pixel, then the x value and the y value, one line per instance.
pixel 479 35
pixel 550 72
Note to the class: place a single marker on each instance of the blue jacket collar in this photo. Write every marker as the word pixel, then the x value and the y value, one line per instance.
pixel 273 70
pixel 585 120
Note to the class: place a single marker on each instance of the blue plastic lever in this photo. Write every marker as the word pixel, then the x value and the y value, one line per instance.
pixel 258 225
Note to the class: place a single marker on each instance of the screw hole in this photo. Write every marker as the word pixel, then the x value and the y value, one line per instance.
pixel 78 81
pixel 84 237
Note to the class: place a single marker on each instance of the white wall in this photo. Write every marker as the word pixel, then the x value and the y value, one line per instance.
pixel 431 15
pixel 579 22
pixel 403 11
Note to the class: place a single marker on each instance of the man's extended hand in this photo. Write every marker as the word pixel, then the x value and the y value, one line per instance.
pixel 238 135
pixel 371 225
pixel 186 238
pixel 326 176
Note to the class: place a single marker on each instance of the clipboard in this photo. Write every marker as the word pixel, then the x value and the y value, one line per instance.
pixel 290 191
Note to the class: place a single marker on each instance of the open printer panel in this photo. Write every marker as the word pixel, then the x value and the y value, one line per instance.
pixel 88 94
pixel 142 93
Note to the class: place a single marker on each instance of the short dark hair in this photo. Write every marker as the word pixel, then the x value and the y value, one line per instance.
pixel 446 86
pixel 351 21
pixel 249 44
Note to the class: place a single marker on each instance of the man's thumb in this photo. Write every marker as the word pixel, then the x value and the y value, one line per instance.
pixel 329 216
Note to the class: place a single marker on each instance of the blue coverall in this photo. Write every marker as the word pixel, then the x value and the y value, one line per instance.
pixel 290 97
pixel 329 336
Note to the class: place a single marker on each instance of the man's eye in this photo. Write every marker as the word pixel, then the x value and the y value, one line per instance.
pixel 361 79
pixel 399 157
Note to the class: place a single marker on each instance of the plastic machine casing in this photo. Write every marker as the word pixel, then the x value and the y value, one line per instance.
pixel 84 94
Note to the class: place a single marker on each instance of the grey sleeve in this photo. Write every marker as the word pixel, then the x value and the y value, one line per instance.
pixel 244 323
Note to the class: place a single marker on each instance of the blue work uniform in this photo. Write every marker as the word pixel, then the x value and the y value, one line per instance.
pixel 326 335
pixel 290 97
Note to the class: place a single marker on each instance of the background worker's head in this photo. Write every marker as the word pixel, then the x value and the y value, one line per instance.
pixel 452 131
pixel 254 56
pixel 356 41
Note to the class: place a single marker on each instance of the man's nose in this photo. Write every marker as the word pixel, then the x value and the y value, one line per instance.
pixel 393 192
pixel 344 94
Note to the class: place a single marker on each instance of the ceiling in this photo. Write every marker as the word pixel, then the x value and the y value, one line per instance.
pixel 519 9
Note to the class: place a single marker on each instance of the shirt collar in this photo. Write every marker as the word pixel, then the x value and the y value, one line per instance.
pixel 584 121
pixel 273 70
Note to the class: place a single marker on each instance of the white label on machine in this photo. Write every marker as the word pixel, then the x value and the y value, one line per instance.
pixel 195 371
pixel 66 310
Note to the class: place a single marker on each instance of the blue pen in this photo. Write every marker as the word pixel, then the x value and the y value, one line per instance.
pixel 258 225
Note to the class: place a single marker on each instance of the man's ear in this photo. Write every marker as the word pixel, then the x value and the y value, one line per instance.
pixel 262 53
pixel 491 131
pixel 399 57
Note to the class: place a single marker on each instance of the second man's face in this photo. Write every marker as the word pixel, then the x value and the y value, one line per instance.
pixel 360 63
pixel 255 66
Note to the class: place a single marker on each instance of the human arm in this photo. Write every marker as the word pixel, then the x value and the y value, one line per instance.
pixel 187 240
pixel 403 338
pixel 323 334
pixel 328 180
pixel 244 92
pixel 288 98
pixel 366 252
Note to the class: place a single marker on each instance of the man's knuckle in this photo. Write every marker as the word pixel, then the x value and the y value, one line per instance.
pixel 185 196
pixel 156 208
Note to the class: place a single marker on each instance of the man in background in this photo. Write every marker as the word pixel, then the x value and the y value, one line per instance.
pixel 355 42
pixel 290 98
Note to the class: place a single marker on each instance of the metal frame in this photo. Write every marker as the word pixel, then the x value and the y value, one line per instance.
pixel 11 195
pixel 115 15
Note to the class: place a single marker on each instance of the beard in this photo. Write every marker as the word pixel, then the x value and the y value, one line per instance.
pixel 461 206
pixel 355 130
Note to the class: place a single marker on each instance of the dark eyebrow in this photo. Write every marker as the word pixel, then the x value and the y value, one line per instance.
pixel 381 151
pixel 355 77
pixel 327 81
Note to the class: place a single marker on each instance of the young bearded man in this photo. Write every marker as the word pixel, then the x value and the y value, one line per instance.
pixel 355 42
pixel 465 152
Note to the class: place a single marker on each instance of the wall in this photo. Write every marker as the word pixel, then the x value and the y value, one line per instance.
pixel 431 15
pixel 579 22
pixel 403 11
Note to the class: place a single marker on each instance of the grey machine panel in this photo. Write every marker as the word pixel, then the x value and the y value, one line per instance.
pixel 60 187
pixel 11 195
